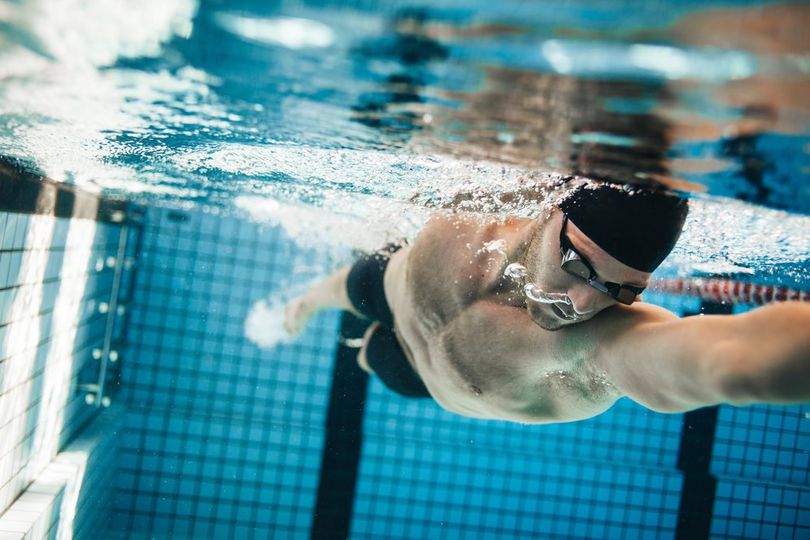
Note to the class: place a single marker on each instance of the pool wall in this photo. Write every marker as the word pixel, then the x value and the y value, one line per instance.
pixel 57 268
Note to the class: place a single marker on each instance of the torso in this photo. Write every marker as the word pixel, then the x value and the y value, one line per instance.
pixel 446 277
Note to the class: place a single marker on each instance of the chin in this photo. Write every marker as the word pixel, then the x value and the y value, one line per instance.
pixel 550 322
pixel 550 326
pixel 544 320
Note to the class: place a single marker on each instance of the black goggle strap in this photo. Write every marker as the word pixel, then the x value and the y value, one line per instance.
pixel 615 290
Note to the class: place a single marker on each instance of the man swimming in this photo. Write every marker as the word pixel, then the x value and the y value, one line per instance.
pixel 538 320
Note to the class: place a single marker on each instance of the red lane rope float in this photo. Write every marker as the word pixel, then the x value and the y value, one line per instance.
pixel 728 291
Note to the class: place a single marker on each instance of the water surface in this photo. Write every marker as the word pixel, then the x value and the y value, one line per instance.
pixel 331 118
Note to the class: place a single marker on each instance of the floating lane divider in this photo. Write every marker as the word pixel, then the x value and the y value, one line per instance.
pixel 729 291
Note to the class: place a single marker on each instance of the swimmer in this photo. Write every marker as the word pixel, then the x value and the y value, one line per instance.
pixel 550 327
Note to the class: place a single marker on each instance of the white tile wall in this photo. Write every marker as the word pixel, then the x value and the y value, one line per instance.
pixel 53 278
pixel 70 498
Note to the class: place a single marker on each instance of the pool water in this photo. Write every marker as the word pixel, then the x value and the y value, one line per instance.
pixel 352 112
pixel 268 141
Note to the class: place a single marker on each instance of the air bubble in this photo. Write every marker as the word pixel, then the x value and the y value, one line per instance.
pixel 515 271
pixel 535 293
pixel 494 246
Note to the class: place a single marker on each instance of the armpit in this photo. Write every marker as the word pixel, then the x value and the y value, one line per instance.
pixel 586 386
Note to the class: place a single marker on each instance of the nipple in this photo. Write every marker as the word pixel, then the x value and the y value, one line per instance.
pixel 535 293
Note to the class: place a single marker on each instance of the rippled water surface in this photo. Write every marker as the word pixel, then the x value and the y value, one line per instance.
pixel 329 118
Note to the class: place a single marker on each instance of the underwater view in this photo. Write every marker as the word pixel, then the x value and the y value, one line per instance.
pixel 448 269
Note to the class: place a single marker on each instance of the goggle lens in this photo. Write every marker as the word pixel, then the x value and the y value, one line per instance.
pixel 573 263
pixel 575 266
pixel 625 296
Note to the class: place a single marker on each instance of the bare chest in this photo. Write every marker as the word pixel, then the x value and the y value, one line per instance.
pixel 483 382
pixel 482 375
pixel 493 385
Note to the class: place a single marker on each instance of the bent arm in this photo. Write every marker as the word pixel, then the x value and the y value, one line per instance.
pixel 672 365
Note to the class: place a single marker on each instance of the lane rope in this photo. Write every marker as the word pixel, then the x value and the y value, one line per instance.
pixel 729 291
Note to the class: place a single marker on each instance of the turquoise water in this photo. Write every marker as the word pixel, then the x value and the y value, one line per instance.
pixel 330 117
pixel 360 109
pixel 268 139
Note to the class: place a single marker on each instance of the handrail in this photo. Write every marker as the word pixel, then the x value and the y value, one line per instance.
pixel 96 391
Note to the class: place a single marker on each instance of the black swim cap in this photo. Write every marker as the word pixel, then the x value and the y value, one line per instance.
pixel 636 226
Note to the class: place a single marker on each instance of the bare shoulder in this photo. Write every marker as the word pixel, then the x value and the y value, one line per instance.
pixel 611 324
pixel 446 229
pixel 504 335
pixel 443 271
pixel 488 325
pixel 662 361
pixel 617 329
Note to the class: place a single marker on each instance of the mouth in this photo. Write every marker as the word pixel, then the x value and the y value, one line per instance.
pixel 560 314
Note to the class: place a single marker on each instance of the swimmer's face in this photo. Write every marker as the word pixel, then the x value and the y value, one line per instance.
pixel 543 261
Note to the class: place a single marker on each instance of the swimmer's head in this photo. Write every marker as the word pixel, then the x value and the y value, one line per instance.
pixel 638 227
pixel 622 235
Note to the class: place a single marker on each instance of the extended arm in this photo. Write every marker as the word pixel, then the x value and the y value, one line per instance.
pixel 673 365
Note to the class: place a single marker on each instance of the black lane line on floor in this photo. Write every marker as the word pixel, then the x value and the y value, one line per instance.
pixel 694 461
pixel 24 190
pixel 341 451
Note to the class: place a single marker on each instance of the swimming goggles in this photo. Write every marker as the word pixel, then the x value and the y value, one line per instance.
pixel 575 264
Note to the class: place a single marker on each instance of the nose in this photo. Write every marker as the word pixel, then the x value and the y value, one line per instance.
pixel 586 300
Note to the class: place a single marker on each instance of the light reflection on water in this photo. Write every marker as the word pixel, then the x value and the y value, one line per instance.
pixel 328 119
